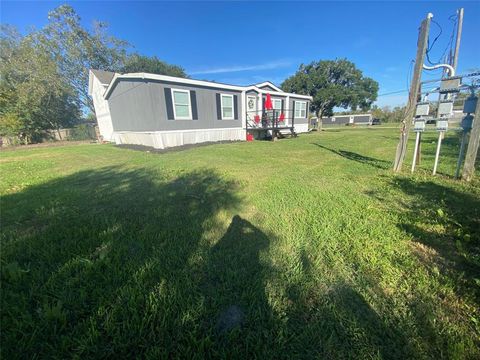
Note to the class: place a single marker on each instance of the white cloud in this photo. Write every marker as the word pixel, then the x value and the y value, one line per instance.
pixel 238 68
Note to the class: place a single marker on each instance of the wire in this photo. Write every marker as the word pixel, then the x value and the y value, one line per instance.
pixel 452 36
pixel 430 46
pixel 409 73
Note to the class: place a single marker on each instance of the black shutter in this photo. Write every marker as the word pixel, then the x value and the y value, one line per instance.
pixel 235 107
pixel 168 101
pixel 193 102
pixel 219 107
pixel 283 106
pixel 263 104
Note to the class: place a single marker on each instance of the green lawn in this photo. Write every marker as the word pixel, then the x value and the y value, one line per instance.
pixel 302 248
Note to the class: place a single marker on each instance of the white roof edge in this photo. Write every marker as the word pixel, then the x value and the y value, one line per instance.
pixel 190 82
pixel 269 83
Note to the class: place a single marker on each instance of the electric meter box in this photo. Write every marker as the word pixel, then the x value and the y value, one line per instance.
pixel 467 123
pixel 419 126
pixel 470 105
pixel 445 108
pixel 449 84
pixel 422 109
pixel 442 125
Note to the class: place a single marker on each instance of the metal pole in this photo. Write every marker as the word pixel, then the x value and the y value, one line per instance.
pixel 417 141
pixel 437 154
pixel 460 156
pixel 459 37
pixel 413 94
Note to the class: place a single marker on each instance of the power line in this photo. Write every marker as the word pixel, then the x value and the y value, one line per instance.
pixel 430 46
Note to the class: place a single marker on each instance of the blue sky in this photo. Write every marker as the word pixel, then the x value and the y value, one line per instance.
pixel 249 42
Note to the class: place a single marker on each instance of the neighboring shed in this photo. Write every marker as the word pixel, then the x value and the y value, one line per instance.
pixel 358 119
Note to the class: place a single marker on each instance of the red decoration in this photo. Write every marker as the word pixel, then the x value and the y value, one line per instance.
pixel 256 118
pixel 268 102
pixel 282 117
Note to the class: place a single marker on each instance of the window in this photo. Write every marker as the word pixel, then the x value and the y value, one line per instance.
pixel 277 104
pixel 182 108
pixel 227 107
pixel 300 109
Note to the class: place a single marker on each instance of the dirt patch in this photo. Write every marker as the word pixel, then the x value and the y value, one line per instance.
pixel 172 149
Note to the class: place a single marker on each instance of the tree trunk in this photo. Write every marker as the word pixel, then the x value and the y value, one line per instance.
pixel 319 120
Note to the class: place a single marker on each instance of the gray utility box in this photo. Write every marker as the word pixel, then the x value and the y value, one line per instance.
pixel 467 123
pixel 470 105
pixel 423 108
pixel 419 125
pixel 449 85
pixel 442 125
pixel 445 108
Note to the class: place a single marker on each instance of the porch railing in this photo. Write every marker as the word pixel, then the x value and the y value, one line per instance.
pixel 270 119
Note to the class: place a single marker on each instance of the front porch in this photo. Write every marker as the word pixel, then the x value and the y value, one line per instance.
pixel 271 124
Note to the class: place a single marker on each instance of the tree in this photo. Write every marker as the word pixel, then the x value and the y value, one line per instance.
pixel 333 83
pixel 140 63
pixel 387 114
pixel 76 49
pixel 33 95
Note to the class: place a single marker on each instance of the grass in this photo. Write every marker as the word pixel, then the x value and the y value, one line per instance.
pixel 303 248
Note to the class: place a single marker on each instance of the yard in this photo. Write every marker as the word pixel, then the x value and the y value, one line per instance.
pixel 302 248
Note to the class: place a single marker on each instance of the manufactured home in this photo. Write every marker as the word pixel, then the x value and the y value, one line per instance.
pixel 357 119
pixel 164 111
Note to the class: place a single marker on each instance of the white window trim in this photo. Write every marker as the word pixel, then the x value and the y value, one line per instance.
pixel 189 117
pixel 300 110
pixel 273 102
pixel 233 106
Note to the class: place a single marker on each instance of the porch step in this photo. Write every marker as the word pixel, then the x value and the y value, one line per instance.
pixel 282 133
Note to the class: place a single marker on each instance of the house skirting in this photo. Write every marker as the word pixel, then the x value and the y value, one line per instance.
pixel 301 128
pixel 166 139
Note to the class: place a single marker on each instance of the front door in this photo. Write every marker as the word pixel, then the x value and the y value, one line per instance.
pixel 251 108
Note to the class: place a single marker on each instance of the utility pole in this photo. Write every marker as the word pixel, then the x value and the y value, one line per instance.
pixel 473 144
pixel 459 37
pixel 413 94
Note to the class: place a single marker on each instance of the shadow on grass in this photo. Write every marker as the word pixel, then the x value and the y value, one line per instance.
pixel 124 263
pixel 377 163
pixel 336 322
pixel 83 257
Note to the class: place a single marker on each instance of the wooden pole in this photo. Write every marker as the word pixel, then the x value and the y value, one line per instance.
pixel 413 95
pixel 459 37
pixel 472 149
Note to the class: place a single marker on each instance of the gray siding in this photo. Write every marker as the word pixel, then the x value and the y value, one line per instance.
pixel 362 119
pixel 140 105
pixel 300 120
pixel 339 120
pixel 345 119
pixel 268 87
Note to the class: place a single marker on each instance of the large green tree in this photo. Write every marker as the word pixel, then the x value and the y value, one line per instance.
pixel 77 49
pixel 333 83
pixel 34 97
pixel 140 63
